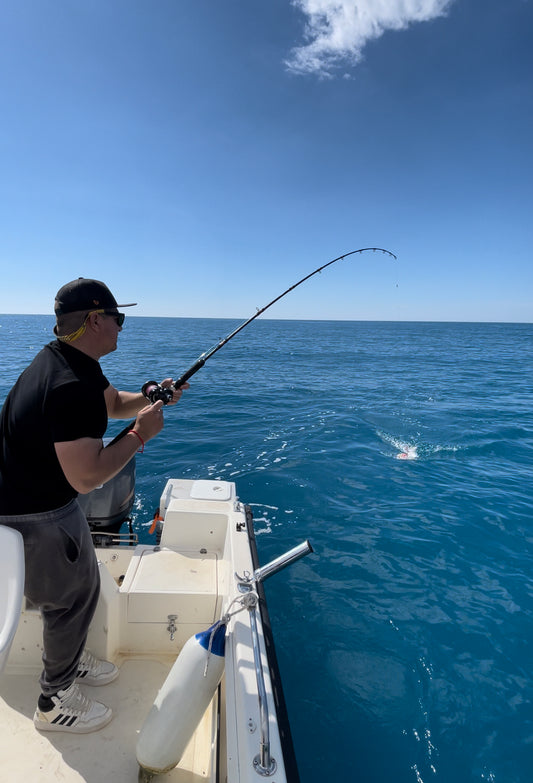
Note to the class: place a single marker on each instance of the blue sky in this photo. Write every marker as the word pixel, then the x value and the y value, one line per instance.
pixel 201 157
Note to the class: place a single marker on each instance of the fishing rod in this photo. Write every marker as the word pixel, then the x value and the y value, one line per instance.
pixel 153 391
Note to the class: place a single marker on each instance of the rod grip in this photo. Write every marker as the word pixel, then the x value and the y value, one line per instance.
pixel 190 372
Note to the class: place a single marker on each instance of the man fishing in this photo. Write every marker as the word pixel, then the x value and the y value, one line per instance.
pixel 52 424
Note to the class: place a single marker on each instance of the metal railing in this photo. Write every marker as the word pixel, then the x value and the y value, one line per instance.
pixel 264 763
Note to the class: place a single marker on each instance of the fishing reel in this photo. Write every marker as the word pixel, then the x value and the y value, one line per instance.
pixel 153 391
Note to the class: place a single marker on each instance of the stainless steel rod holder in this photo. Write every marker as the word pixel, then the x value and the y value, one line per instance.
pixel 262 573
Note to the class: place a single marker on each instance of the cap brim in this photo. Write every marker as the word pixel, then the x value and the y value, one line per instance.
pixel 133 304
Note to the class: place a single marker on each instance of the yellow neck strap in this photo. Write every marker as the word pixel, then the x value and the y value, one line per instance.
pixel 70 338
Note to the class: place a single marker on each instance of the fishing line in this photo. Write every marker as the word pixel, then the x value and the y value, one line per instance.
pixel 153 391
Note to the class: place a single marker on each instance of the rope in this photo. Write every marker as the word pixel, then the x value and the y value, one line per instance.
pixel 224 620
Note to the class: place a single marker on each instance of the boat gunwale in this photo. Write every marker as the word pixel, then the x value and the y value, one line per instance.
pixel 284 728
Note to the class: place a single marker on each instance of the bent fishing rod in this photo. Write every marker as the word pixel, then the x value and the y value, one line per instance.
pixel 153 391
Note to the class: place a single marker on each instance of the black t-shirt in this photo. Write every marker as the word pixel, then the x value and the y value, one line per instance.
pixel 59 397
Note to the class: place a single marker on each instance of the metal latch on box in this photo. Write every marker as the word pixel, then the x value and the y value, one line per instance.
pixel 172 627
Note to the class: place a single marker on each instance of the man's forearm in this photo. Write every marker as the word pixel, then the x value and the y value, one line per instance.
pixel 128 404
pixel 123 404
pixel 87 464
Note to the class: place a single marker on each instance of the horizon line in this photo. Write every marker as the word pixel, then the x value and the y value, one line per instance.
pixel 311 320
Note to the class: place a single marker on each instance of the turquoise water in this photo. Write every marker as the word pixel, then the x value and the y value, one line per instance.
pixel 404 641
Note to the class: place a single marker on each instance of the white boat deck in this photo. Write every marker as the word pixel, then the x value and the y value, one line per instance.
pixel 105 756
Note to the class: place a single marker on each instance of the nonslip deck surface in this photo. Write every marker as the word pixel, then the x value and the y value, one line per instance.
pixel 106 756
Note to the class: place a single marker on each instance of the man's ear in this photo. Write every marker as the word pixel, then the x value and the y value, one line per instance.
pixel 94 321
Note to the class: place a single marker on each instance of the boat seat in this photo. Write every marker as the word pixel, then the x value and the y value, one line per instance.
pixel 11 587
pixel 186 528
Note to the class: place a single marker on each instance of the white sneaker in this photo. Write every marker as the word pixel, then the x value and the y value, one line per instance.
pixel 91 671
pixel 72 711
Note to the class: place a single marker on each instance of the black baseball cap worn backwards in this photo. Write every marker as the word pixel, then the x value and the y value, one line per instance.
pixel 85 294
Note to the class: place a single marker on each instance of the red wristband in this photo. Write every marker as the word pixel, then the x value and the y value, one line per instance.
pixel 142 441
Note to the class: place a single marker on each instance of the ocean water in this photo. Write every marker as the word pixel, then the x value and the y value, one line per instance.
pixel 404 453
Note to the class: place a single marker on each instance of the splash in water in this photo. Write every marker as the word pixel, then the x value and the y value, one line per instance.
pixel 412 451
pixel 405 450
pixel 409 452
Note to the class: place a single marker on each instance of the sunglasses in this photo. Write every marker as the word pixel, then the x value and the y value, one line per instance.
pixel 119 317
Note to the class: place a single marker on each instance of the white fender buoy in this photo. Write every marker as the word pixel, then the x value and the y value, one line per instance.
pixel 182 701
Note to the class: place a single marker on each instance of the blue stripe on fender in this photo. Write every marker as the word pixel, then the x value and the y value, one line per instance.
pixel 219 639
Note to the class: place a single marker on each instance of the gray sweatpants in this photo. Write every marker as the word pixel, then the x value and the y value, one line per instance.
pixel 63 580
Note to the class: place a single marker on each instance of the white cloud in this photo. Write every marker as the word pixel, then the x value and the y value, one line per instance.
pixel 338 30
